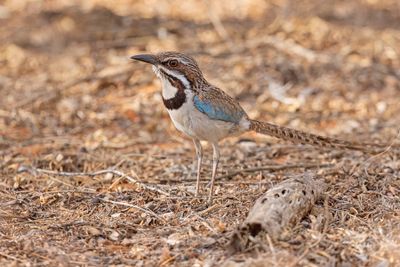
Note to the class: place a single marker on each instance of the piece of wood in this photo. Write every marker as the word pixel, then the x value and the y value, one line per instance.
pixel 281 207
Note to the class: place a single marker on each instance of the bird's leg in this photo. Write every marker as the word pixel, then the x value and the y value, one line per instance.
pixel 199 154
pixel 214 170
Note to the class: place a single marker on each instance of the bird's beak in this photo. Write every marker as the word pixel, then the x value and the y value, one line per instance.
pixel 146 58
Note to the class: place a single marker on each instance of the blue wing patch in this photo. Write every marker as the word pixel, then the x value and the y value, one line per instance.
pixel 217 112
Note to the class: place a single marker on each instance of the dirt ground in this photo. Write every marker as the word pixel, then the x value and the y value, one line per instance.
pixel 93 173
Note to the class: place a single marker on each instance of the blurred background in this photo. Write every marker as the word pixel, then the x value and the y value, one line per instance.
pixel 332 66
pixel 72 100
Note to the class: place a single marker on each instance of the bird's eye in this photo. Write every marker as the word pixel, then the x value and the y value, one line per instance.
pixel 173 63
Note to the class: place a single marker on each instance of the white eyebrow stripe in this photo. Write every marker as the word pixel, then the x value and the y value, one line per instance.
pixel 178 76
pixel 181 60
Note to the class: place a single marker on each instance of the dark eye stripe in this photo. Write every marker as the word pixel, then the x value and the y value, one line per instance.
pixel 176 79
pixel 169 76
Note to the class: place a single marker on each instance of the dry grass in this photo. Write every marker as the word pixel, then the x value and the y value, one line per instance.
pixel 71 101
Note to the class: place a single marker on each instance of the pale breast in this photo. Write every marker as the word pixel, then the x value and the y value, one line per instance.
pixel 195 124
pixel 189 120
pixel 181 119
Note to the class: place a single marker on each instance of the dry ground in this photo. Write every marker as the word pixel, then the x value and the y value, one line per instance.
pixel 72 101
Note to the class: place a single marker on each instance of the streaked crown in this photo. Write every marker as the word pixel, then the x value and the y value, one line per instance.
pixel 175 64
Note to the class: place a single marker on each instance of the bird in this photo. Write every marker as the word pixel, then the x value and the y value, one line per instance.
pixel 205 112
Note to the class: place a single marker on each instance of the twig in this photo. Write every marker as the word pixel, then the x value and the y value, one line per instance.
pixel 61 182
pixel 10 257
pixel 298 259
pixel 366 165
pixel 276 168
pixel 201 213
pixel 96 173
pixel 133 206
pixel 164 263
pixel 271 247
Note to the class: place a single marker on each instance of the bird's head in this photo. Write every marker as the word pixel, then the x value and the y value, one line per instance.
pixel 174 65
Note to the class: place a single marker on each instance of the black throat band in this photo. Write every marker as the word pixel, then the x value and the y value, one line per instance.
pixel 180 97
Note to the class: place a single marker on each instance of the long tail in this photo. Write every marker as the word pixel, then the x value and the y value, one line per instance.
pixel 297 136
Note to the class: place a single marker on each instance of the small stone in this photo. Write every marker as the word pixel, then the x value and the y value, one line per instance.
pixel 116 215
pixel 59 157
pixel 174 239
pixel 114 236
pixel 108 177
pixel 93 231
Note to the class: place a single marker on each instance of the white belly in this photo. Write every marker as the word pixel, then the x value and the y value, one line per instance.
pixel 195 124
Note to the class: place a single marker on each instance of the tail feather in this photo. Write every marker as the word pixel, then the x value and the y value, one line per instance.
pixel 297 136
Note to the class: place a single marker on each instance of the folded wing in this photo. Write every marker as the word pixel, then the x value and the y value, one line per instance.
pixel 217 105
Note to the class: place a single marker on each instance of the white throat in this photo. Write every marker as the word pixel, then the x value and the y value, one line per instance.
pixel 169 91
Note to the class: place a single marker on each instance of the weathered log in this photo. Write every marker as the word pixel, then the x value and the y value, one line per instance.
pixel 278 209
